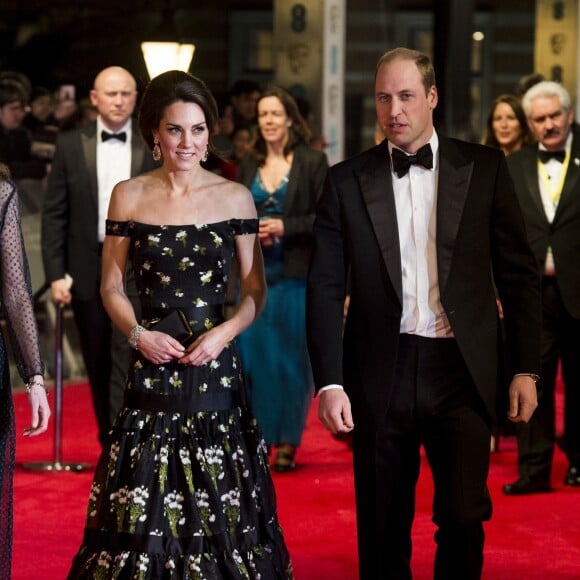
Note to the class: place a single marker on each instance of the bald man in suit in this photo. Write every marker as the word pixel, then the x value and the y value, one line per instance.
pixel 89 160
pixel 421 229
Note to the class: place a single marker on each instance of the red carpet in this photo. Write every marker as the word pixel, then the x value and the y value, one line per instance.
pixel 533 538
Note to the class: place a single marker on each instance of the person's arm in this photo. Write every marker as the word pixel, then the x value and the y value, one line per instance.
pixel 16 296
pixel 326 292
pixel 55 216
pixel 517 278
pixel 157 347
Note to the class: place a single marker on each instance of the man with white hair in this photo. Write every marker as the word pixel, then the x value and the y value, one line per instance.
pixel 547 180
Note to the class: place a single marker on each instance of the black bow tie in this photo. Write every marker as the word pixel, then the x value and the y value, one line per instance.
pixel 545 156
pixel 105 136
pixel 402 161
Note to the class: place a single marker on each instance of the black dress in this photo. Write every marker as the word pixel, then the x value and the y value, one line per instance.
pixel 182 488
pixel 17 306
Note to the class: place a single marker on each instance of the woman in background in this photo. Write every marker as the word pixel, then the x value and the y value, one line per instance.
pixel 16 300
pixel 285 176
pixel 506 126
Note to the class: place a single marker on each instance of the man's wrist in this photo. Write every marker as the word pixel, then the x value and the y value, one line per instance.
pixel 534 376
pixel 330 388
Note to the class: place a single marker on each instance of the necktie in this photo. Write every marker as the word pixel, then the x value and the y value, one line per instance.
pixel 545 156
pixel 402 162
pixel 105 136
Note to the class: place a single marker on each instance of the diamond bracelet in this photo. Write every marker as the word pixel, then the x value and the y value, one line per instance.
pixel 31 384
pixel 134 336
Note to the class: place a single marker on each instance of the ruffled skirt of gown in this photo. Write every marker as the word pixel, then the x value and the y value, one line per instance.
pixel 182 488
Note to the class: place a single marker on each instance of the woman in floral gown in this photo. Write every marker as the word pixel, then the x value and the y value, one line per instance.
pixel 182 488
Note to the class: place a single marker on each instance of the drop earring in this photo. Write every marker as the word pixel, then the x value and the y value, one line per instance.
pixel 204 156
pixel 156 150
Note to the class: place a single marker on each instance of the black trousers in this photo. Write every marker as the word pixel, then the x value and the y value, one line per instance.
pixel 560 344
pixel 106 354
pixel 433 404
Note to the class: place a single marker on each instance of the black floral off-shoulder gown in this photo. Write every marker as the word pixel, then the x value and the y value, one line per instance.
pixel 182 488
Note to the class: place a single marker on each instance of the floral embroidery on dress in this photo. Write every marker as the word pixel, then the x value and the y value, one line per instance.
pixel 183 491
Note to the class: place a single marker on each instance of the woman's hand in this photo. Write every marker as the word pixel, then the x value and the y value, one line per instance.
pixel 158 347
pixel 207 347
pixel 271 230
pixel 39 407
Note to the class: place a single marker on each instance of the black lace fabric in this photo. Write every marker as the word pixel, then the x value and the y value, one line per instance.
pixel 18 311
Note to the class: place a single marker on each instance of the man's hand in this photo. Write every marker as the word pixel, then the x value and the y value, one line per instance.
pixel 334 411
pixel 523 399
pixel 61 291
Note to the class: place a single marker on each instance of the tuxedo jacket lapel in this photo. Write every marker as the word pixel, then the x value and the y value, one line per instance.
pixel 89 147
pixel 454 181
pixel 530 170
pixel 570 189
pixel 377 190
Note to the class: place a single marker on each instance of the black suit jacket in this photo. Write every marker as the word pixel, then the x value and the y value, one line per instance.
pixel 70 212
pixel 305 183
pixel 481 241
pixel 563 234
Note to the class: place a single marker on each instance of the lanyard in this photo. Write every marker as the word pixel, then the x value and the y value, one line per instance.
pixel 554 192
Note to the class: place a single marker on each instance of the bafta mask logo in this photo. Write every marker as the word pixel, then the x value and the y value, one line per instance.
pixel 298 55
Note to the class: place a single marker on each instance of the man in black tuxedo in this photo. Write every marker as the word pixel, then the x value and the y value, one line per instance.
pixel 424 228
pixel 547 178
pixel 89 160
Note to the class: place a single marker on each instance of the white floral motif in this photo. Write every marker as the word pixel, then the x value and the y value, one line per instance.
pixel 93 496
pixel 226 382
pixel 175 380
pixel 142 566
pixel 185 263
pixel 174 510
pixel 153 240
pixel 181 236
pixel 138 506
pixel 164 279
pixel 217 240
pixel 206 277
pixel 231 501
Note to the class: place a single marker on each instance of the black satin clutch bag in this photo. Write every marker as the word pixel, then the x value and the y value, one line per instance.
pixel 176 325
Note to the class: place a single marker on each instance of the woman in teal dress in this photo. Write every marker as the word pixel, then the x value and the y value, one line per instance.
pixel 285 176
pixel 182 488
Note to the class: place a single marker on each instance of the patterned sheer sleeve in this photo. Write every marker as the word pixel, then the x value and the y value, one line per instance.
pixel 15 287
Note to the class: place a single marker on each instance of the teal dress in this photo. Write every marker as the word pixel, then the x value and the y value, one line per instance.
pixel 276 362
pixel 182 488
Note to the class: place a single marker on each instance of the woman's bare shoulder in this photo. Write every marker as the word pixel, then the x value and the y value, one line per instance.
pixel 128 194
pixel 235 198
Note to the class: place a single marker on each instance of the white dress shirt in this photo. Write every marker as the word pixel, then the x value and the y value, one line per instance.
pixel 551 180
pixel 416 205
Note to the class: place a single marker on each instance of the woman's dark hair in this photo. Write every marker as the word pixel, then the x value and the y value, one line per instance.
pixel 489 137
pixel 171 87
pixel 298 132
